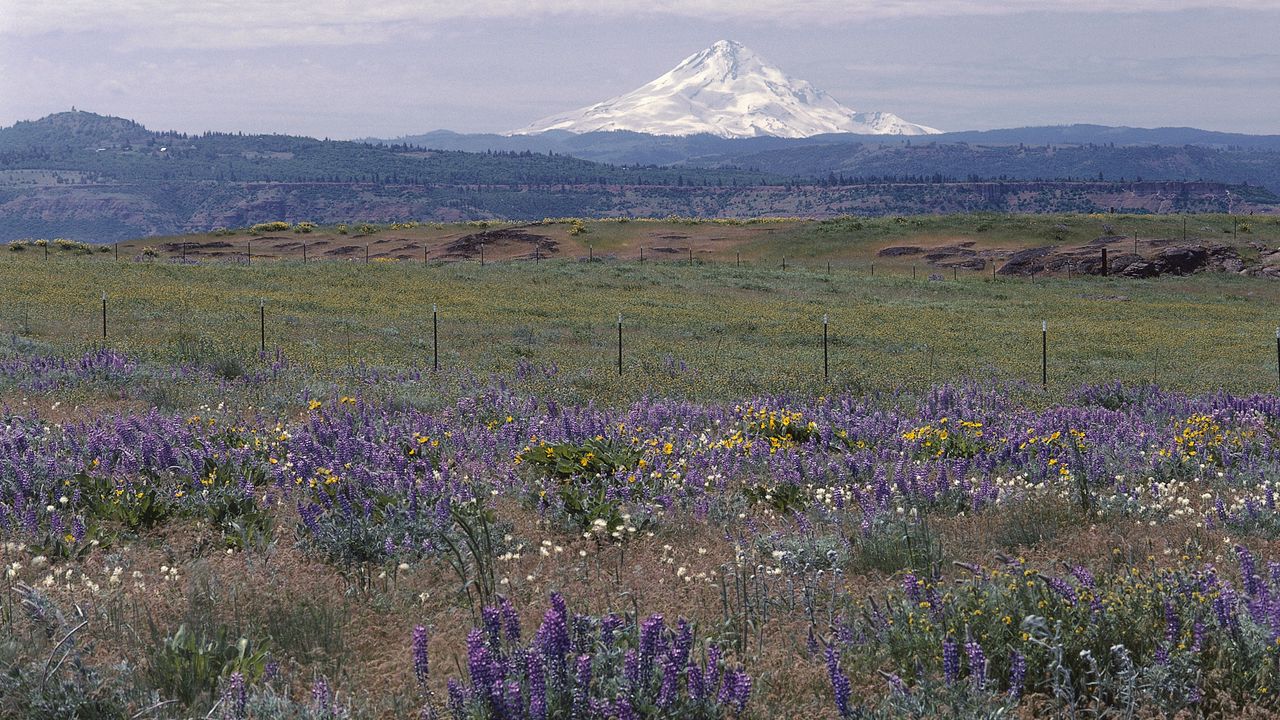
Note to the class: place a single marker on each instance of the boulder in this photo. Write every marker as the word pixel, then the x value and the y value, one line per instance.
pixel 1118 264
pixel 899 250
pixel 1027 262
pixel 1140 269
pixel 1181 260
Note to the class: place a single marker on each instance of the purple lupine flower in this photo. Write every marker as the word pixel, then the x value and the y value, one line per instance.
pixel 741 690
pixel 977 663
pixel 1083 576
pixel 236 698
pixel 1063 588
pixel 492 621
pixel 631 671
pixel 510 620
pixel 683 643
pixel 623 710
pixel 1224 607
pixel 1017 674
pixel 512 699
pixel 480 665
pixel 650 636
pixel 670 679
pixel 1197 636
pixel 839 682
pixel 1248 571
pixel 581 638
pixel 609 624
pixel 581 687
pixel 711 678
pixel 537 687
pixel 457 697
pixel 950 660
pixel 421 661
pixel 693 681
pixel 726 689
pixel 553 635
pixel 911 587
pixel 321 695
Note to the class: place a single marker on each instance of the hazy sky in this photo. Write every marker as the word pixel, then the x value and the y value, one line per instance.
pixel 344 68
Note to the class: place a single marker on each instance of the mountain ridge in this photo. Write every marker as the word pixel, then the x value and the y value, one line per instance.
pixel 93 177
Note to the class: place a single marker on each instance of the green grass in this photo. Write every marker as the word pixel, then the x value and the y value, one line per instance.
pixel 737 330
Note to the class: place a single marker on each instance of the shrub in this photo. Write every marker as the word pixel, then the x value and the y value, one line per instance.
pixel 45 669
pixel 190 665
pixel 891 544
pixel 273 226
pixel 1172 640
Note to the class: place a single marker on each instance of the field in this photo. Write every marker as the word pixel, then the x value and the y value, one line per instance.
pixel 335 527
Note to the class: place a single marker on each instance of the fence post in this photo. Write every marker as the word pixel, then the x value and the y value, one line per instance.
pixel 262 326
pixel 117 252
pixel 435 337
pixel 304 252
pixel 104 315
pixel 481 254
pixel 1044 353
pixel 619 344
pixel 1105 269
pixel 825 366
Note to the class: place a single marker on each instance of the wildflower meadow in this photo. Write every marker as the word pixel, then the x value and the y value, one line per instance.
pixel 317 512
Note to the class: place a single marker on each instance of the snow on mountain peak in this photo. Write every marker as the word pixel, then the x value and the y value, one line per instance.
pixel 729 91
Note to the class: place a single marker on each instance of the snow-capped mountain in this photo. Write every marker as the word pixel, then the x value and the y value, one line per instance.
pixel 729 91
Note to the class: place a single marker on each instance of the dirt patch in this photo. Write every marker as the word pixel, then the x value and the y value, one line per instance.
pixel 900 250
pixel 177 247
pixel 469 245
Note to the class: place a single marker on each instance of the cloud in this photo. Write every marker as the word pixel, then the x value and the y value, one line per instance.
pixel 255 23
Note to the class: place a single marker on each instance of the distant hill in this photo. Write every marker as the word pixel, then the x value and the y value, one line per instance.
pixel 631 148
pixel 92 177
